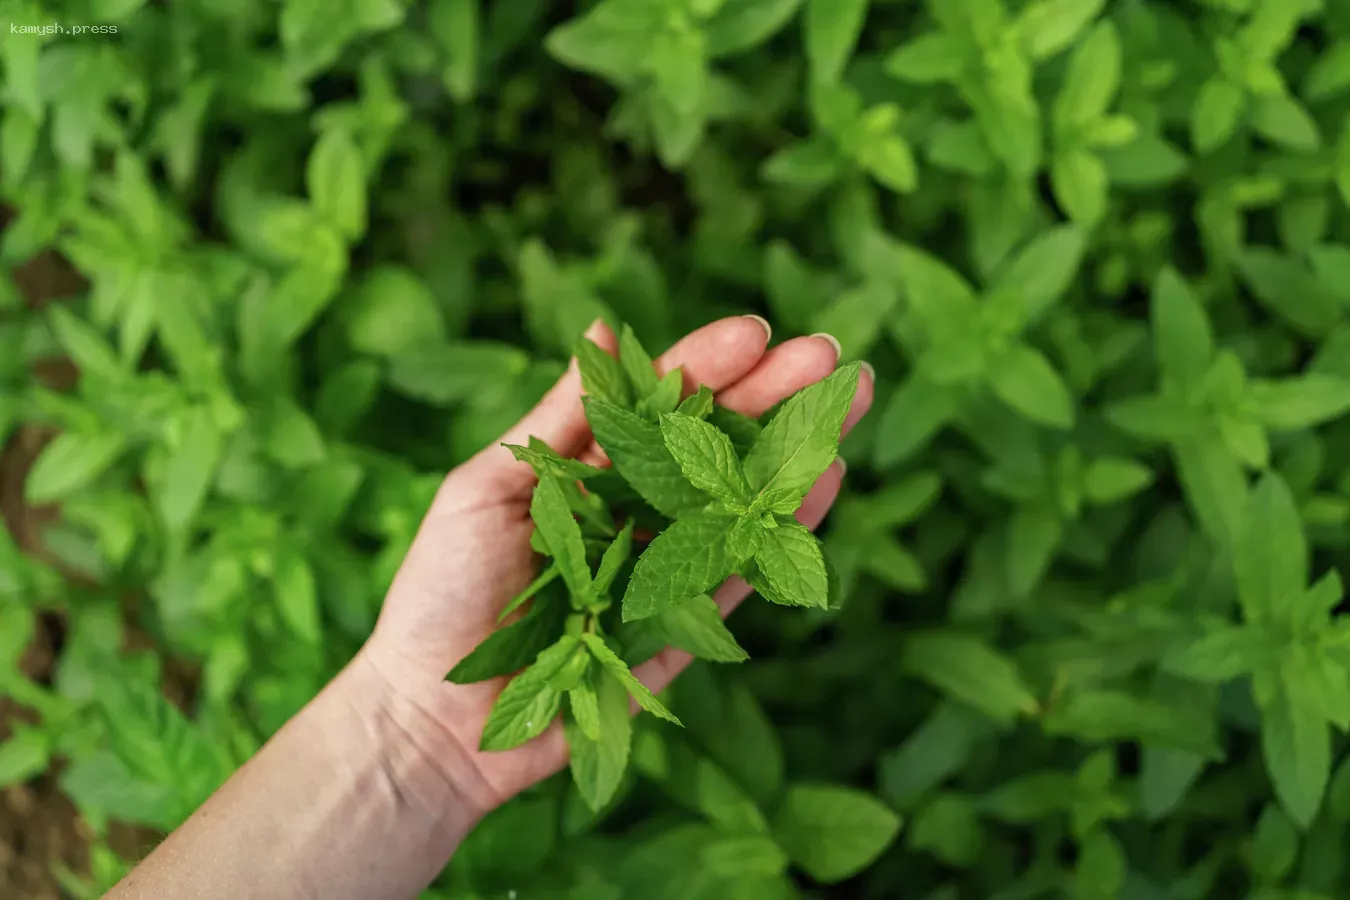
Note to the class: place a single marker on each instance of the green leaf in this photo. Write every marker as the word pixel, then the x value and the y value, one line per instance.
pixel 1042 271
pixel 611 661
pixel 739 25
pixel 707 458
pixel 1110 479
pixel 510 649
pixel 665 398
pixel 297 596
pixel 24 755
pixel 801 441
pixel 833 832
pixel 1024 379
pixel 528 703
pixel 949 828
pixel 1102 716
pixel 916 412
pixel 455 26
pixel 546 577
pixel 637 363
pixel 180 486
pixel 584 706
pixel 1147 161
pixel 1297 751
pixel 1091 81
pixel 938 296
pixel 698 404
pixel 1270 559
pixel 598 764
pixel 832 31
pixel 639 453
pixel 814 162
pixel 1215 116
pixel 791 567
pixel 1293 403
pixel 616 554
pixel 889 159
pixel 602 376
pixel 1329 74
pixel 392 312
pixel 1081 185
pixel 86 348
pixel 1214 485
pixel 1048 27
pixel 70 462
pixel 1290 290
pixel 931 57
pixel 687 559
pixel 450 373
pixel 1283 121
pixel 547 463
pixel 964 668
pixel 613 40
pixel 562 535
pixel 695 626
pixel 1034 534
pixel 1182 339
pixel 336 179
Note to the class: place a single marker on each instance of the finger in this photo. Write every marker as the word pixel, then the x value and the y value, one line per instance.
pixel 558 420
pixel 717 355
pixel 783 371
pixel 659 671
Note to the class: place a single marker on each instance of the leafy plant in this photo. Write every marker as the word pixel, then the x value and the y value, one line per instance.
pixel 1080 626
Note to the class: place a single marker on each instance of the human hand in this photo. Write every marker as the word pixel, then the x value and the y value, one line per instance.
pixel 472 553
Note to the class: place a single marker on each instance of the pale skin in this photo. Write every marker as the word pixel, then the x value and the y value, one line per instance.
pixel 369 790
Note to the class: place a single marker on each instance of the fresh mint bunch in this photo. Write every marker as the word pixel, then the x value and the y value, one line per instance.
pixel 726 510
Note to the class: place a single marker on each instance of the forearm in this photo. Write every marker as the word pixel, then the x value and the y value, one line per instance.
pixel 352 800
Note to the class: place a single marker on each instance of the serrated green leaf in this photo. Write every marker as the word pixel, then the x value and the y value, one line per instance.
pixel 602 376
pixel 707 458
pixel 619 669
pixel 833 832
pixel 598 765
pixel 687 559
pixel 584 705
pixel 792 567
pixel 801 441
pixel 639 453
pixel 695 625
pixel 637 363
pixel 616 554
pixel 966 669
pixel 562 536
pixel 512 648
pixel 528 704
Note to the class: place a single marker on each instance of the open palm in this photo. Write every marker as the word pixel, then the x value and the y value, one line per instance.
pixel 472 553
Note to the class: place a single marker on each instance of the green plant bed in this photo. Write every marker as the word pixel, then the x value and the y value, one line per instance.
pixel 1088 640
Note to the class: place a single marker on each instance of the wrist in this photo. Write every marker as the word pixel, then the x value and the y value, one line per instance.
pixel 421 758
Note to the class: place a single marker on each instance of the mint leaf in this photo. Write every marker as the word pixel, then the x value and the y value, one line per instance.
pixel 1182 339
pixel 598 763
pixel 1110 479
pixel 965 668
pixel 545 461
pixel 616 554
pixel 695 625
pixel 792 566
pixel 619 669
pixel 336 178
pixel 585 708
pixel 528 704
pixel 707 458
pixel 833 832
pixel 602 376
pixel 635 361
pixel 70 462
pixel 512 648
pixel 1270 560
pixel 801 441
pixel 639 453
pixel 698 404
pixel 687 559
pixel 832 31
pixel 664 398
pixel 1024 379
pixel 562 535
pixel 1293 403
pixel 1297 751
pixel 1220 656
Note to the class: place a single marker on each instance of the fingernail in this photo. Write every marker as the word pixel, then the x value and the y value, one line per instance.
pixel 768 329
pixel 871 372
pixel 842 464
pixel 834 342
pixel 595 329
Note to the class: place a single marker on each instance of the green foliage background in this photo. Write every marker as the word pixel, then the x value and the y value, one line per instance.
pixel 1096 251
